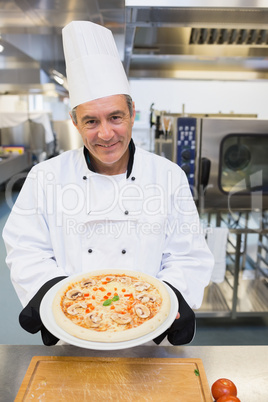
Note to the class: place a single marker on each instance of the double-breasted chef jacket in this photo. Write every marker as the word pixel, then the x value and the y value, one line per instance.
pixel 68 220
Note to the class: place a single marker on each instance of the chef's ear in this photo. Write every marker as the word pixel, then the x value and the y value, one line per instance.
pixel 133 113
pixel 73 117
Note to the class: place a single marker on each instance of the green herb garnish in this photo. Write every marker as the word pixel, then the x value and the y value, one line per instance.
pixel 196 372
pixel 108 302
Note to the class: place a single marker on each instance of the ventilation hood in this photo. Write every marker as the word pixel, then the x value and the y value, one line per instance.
pixel 31 34
pixel 183 39
pixel 197 39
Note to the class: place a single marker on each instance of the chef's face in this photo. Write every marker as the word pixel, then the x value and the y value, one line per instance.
pixel 105 125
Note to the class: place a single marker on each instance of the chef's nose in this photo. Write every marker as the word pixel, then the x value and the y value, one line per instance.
pixel 105 131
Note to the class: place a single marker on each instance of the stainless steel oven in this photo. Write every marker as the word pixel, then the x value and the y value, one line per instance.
pixel 225 159
pixel 233 164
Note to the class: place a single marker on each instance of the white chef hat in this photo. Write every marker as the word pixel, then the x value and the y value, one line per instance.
pixel 93 66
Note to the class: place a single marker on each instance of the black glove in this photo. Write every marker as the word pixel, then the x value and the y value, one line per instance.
pixel 29 317
pixel 182 330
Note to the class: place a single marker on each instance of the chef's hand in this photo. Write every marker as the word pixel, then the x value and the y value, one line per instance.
pixel 182 330
pixel 30 319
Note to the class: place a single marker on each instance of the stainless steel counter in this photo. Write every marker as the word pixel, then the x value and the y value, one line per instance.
pixel 246 366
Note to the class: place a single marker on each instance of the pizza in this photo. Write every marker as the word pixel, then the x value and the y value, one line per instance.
pixel 111 305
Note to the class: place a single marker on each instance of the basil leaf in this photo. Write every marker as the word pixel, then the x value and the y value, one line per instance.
pixel 107 302
pixel 115 298
pixel 196 372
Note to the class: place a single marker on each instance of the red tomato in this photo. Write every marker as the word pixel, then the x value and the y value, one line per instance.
pixel 223 386
pixel 228 398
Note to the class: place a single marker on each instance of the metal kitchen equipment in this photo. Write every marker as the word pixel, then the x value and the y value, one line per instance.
pixel 31 136
pixel 233 164
pixel 225 160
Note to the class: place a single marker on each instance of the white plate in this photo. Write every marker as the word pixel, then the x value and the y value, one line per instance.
pixel 48 320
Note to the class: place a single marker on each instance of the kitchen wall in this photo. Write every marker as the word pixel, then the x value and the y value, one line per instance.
pixel 55 106
pixel 168 95
pixel 201 96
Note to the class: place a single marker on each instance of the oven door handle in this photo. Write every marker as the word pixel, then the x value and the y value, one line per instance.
pixel 205 172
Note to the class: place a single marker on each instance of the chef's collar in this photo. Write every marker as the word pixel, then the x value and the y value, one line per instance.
pixel 130 160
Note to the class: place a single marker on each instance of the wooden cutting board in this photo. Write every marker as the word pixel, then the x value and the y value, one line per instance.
pixel 97 379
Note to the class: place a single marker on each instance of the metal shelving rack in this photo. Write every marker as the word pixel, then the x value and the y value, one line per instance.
pixel 244 291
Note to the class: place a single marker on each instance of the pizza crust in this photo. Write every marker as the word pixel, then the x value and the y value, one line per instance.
pixel 112 336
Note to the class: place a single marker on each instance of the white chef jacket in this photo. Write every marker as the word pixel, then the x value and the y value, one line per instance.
pixel 69 220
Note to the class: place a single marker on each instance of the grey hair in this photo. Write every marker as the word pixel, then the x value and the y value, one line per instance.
pixel 129 105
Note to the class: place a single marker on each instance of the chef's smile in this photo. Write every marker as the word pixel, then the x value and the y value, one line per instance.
pixel 107 146
pixel 105 126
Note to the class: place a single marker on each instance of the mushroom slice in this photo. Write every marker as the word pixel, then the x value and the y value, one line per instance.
pixel 142 311
pixel 140 286
pixel 125 280
pixel 93 320
pixel 76 308
pixel 74 294
pixel 121 318
pixel 146 298
pixel 87 283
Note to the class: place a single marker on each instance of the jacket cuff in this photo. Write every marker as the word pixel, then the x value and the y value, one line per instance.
pixel 182 330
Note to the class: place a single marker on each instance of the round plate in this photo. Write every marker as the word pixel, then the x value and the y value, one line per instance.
pixel 48 320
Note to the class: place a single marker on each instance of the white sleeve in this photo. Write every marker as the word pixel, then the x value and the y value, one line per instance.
pixel 30 255
pixel 187 262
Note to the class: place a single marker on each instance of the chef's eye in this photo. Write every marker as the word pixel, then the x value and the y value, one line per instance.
pixel 91 123
pixel 116 119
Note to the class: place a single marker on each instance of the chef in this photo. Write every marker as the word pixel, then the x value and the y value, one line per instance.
pixel 108 204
